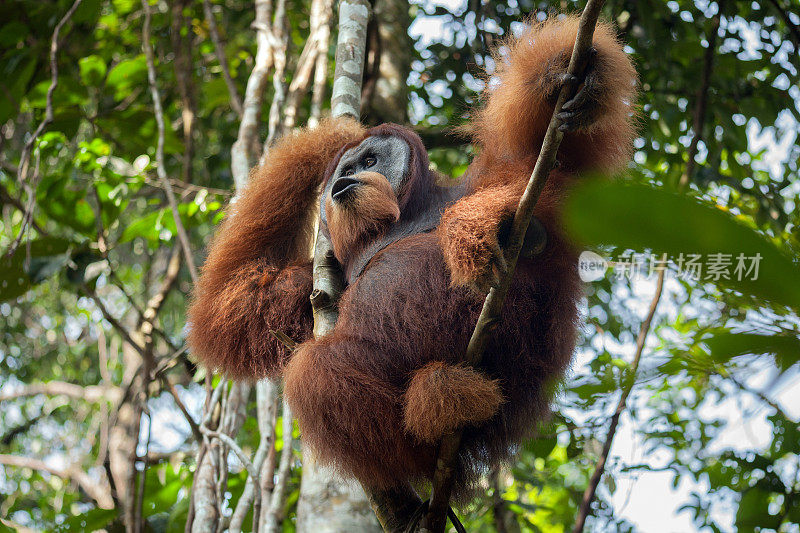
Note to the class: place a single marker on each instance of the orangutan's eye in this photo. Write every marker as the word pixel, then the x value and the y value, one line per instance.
pixel 347 171
pixel 370 161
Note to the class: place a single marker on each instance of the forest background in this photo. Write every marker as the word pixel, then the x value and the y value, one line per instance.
pixel 684 392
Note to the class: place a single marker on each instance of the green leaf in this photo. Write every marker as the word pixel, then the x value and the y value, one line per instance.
pixel 148 227
pixel 12 32
pixel 754 511
pixel 127 75
pixel 47 257
pixel 89 521
pixel 16 75
pixel 93 70
pixel 786 348
pixel 639 217
pixel 542 446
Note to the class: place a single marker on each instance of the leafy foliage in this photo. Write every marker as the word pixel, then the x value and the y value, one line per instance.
pixel 101 236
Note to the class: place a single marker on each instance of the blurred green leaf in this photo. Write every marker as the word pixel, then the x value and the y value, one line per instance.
pixel 786 348
pixel 47 257
pixel 640 217
pixel 92 520
pixel 93 70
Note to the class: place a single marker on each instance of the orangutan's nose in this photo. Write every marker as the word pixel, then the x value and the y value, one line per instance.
pixel 344 187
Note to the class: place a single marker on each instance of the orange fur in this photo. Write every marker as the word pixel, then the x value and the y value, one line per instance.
pixel 367 215
pixel 513 122
pixel 468 230
pixel 510 130
pixel 257 275
pixel 442 398
pixel 373 396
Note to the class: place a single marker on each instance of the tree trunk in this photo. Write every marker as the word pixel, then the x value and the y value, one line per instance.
pixel 329 504
pixel 389 54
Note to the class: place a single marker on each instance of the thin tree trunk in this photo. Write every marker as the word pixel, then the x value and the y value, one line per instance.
pixel 328 503
pixel 391 49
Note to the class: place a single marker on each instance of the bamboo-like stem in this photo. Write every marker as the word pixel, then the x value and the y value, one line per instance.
pixel 267 408
pixel 280 39
pixel 245 151
pixel 436 517
pixel 274 513
pixel 324 18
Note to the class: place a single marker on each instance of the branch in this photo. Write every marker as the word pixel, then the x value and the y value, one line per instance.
pixel 701 103
pixel 697 128
pixel 267 409
pixel 280 39
pixel 155 302
pixel 139 503
pixel 594 481
pixel 161 168
pixel 346 95
pixel 228 441
pixel 126 335
pixel 182 49
pixel 346 100
pixel 313 60
pixel 90 393
pixel 760 395
pixel 301 78
pixel 22 170
pixel 324 18
pixel 436 517
pixel 12 433
pixel 275 512
pixel 198 435
pixel 24 159
pixel 203 514
pixel 99 493
pixel 246 146
pixel 219 50
pixel 6 198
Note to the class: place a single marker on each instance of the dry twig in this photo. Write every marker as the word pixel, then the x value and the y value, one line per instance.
pixel 697 126
pixel 588 495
